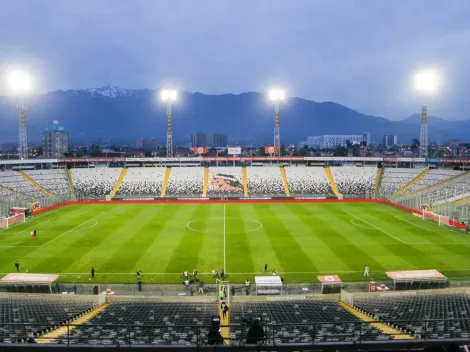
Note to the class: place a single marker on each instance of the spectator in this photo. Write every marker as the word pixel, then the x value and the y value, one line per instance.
pixel 224 311
pixel 255 335
pixel 214 337
pixel 201 288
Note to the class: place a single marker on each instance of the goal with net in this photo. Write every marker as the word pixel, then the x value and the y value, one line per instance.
pixel 440 219
pixel 8 221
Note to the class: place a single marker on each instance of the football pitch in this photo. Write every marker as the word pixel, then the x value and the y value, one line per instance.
pixel 299 240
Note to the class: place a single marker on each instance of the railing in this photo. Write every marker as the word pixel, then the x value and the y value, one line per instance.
pixel 274 334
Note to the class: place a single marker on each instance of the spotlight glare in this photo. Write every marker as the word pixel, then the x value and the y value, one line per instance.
pixel 427 81
pixel 19 82
pixel 277 94
pixel 169 95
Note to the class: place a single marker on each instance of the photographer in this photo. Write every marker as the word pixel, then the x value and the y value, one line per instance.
pixel 255 335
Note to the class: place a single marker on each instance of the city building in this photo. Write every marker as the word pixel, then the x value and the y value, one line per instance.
pixel 389 140
pixel 334 140
pixel 199 140
pixel 219 140
pixel 55 141
pixel 146 143
pixel 366 138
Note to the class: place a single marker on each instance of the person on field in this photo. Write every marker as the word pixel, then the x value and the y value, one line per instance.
pixel 366 271
pixel 17 266
pixel 201 288
pixel 274 272
pixel 195 273
pixel 224 311
pixel 185 275
pixel 222 274
pixel 265 268
pixel 92 272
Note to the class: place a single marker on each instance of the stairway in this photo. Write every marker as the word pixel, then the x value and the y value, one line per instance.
pixel 52 336
pixel 165 181
pixel 332 181
pixel 71 184
pixel 384 328
pixel 284 181
pixel 37 185
pixel 206 182
pixel 411 183
pixel 118 182
pixel 378 181
pixel 245 186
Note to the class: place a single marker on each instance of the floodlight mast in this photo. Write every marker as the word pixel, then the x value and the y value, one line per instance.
pixel 20 84
pixel 169 96
pixel 427 82
pixel 277 95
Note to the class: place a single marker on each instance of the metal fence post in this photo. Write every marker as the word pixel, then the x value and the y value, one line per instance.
pixel 68 335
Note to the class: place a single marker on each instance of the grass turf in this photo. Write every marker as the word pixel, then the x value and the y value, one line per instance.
pixel 299 240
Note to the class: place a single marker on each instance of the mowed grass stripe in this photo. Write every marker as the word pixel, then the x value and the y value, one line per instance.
pixel 69 249
pixel 416 258
pixel 287 249
pixel 186 254
pixel 67 246
pixel 29 257
pixel 128 239
pixel 318 241
pixel 345 239
pixel 259 243
pixel 239 256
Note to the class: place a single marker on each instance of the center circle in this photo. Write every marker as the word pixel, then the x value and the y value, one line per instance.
pixel 219 226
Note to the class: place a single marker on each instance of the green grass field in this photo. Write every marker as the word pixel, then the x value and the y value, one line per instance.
pixel 299 240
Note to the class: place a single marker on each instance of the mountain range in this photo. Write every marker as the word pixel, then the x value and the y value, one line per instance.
pixel 122 115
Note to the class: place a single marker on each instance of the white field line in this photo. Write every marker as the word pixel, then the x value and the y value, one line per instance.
pixel 72 229
pixel 252 273
pixel 378 228
pixel 422 227
pixel 29 228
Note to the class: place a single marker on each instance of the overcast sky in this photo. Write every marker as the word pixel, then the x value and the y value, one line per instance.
pixel 358 53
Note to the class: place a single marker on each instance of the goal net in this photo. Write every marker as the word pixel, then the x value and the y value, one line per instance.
pixel 440 219
pixel 8 221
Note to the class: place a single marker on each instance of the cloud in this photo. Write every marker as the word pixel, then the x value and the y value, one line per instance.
pixel 358 53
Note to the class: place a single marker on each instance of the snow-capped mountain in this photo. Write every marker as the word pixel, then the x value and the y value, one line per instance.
pixel 109 91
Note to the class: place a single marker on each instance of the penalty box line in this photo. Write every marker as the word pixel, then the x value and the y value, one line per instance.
pixel 376 227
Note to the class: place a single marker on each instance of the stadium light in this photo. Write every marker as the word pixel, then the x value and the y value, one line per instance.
pixel 20 85
pixel 427 81
pixel 19 82
pixel 277 96
pixel 169 96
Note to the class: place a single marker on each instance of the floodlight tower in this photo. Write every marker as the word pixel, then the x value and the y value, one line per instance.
pixel 20 84
pixel 169 96
pixel 277 96
pixel 426 82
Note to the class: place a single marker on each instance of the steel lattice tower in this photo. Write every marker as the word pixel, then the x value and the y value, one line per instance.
pixel 23 138
pixel 169 131
pixel 277 133
pixel 423 141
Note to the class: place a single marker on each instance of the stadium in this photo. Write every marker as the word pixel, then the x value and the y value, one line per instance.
pixel 368 253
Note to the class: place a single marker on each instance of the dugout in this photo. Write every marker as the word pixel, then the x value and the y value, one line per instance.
pixel 268 285
pixel 28 283
pixel 417 279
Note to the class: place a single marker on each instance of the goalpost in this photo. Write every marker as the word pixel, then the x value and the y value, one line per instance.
pixel 8 221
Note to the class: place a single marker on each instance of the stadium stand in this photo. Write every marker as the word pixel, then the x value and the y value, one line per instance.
pixel 431 178
pixel 308 181
pixel 355 181
pixel 142 181
pixel 395 179
pixel 185 181
pixel 55 181
pixel 14 181
pixel 341 326
pixel 42 315
pixel 96 182
pixel 7 195
pixel 149 323
pixel 264 181
pixel 423 315
pixel 225 181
